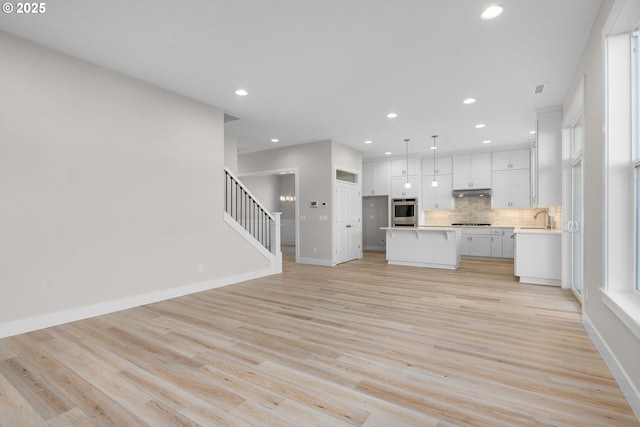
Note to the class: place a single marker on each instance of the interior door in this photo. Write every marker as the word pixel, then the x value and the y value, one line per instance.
pixel 574 223
pixel 575 226
pixel 348 228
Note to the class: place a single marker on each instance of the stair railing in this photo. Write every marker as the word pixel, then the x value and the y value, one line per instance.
pixel 247 211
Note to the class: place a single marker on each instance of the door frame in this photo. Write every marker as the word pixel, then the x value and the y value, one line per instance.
pixel 296 191
pixel 334 210
pixel 569 159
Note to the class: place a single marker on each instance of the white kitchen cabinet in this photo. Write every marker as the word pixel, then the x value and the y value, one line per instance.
pixel 496 242
pixel 502 242
pixel 437 198
pixel 507 243
pixel 472 171
pixel 511 189
pixel 476 241
pixel 443 166
pixel 399 167
pixel 496 245
pixel 547 160
pixel 376 178
pixel 538 257
pixel 399 191
pixel 508 160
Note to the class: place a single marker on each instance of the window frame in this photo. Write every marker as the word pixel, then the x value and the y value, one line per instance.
pixel 622 157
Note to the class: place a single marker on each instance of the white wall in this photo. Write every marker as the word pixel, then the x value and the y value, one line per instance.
pixel 231 153
pixel 313 162
pixel 620 344
pixel 316 163
pixel 266 189
pixel 111 192
pixel 375 212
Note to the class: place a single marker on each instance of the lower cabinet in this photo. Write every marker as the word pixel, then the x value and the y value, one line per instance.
pixel 487 242
pixel 508 243
pixel 538 257
pixel 476 241
pixel 502 242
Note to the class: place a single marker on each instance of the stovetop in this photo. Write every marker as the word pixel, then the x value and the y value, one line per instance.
pixel 470 224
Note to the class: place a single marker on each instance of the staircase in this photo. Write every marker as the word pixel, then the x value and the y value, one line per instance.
pixel 252 220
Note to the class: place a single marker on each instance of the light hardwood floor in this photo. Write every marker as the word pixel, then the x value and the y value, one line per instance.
pixel 360 344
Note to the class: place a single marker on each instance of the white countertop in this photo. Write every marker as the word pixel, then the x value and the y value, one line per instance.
pixel 421 228
pixel 521 230
pixel 525 230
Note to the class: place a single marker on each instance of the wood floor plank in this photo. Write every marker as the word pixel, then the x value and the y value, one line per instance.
pixel 359 344
pixel 15 409
pixel 41 393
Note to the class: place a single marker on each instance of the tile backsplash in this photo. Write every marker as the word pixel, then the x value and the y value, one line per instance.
pixel 478 210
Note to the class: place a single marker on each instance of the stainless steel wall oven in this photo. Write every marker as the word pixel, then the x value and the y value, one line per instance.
pixel 404 212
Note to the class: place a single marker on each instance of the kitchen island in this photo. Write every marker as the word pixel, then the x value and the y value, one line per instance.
pixel 434 247
pixel 538 256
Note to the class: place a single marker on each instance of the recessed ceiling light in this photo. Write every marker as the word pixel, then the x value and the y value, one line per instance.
pixel 486 141
pixel 368 142
pixel 491 12
pixel 480 125
pixel 275 140
pixel 386 153
pixel 392 115
pixel 469 101
pixel 242 92
pixel 433 148
pixel 532 132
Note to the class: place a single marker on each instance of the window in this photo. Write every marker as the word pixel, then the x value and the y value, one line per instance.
pixel 635 147
pixel 622 209
pixel 637 226
pixel 345 176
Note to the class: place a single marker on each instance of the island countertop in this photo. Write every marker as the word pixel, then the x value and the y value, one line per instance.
pixel 422 228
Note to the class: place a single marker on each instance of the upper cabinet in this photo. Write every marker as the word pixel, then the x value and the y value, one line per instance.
pixel 508 160
pixel 399 167
pixel 400 175
pixel 548 158
pixel 472 171
pixel 437 198
pixel 398 187
pixel 377 178
pixel 442 166
pixel 511 189
pixel 511 180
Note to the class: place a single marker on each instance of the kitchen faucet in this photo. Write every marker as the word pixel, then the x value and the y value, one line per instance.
pixel 548 224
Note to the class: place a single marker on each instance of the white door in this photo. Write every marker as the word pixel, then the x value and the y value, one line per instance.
pixel 348 228
pixel 575 226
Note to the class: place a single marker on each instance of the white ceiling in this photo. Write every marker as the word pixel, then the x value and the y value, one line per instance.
pixel 333 69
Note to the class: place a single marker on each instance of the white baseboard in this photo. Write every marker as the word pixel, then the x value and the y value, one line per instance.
pixel 21 326
pixel 618 372
pixel 316 261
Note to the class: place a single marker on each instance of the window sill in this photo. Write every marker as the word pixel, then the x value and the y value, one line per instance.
pixel 625 305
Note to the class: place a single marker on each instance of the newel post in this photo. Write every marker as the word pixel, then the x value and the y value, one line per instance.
pixel 275 242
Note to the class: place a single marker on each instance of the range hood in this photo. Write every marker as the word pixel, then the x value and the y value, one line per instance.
pixel 472 192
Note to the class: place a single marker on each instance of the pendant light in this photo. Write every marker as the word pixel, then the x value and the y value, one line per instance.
pixel 407 184
pixel 434 183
